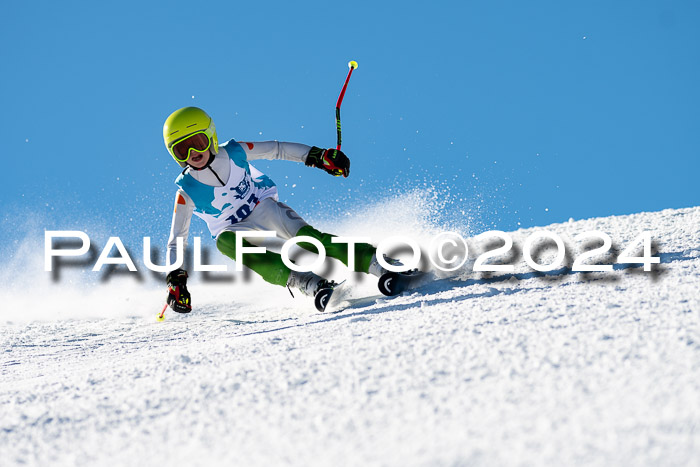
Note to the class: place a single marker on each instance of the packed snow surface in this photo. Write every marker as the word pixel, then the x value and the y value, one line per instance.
pixel 507 369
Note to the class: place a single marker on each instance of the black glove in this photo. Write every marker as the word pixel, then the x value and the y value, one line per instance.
pixel 178 296
pixel 333 161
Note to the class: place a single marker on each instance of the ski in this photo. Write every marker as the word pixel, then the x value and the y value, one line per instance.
pixel 324 295
pixel 345 296
pixel 394 283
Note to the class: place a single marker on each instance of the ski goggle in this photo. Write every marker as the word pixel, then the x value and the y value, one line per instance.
pixel 198 142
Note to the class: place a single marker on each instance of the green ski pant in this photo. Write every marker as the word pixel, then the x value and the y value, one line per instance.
pixel 270 267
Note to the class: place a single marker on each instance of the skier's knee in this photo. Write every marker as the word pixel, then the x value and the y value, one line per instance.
pixel 226 244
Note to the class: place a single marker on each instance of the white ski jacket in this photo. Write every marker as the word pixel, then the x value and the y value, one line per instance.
pixel 227 191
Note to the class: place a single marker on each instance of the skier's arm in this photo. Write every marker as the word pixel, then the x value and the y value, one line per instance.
pixel 180 227
pixel 275 150
pixel 333 161
pixel 178 295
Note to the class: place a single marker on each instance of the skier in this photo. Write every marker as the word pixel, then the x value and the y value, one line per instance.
pixel 219 185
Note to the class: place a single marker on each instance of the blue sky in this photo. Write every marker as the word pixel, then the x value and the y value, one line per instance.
pixel 529 112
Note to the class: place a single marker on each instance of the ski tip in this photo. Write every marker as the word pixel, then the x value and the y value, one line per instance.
pixel 329 301
pixel 395 283
pixel 321 298
pixel 389 284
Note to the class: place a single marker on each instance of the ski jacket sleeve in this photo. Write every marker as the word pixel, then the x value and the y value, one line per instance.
pixel 275 150
pixel 180 227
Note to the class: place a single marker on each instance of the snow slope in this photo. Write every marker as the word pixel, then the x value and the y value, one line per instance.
pixel 564 369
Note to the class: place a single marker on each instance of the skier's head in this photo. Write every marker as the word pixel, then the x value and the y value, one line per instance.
pixel 190 136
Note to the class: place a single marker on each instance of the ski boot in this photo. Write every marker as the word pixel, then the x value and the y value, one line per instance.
pixel 392 283
pixel 312 285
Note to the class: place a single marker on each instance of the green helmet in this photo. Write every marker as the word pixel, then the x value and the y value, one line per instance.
pixel 185 122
